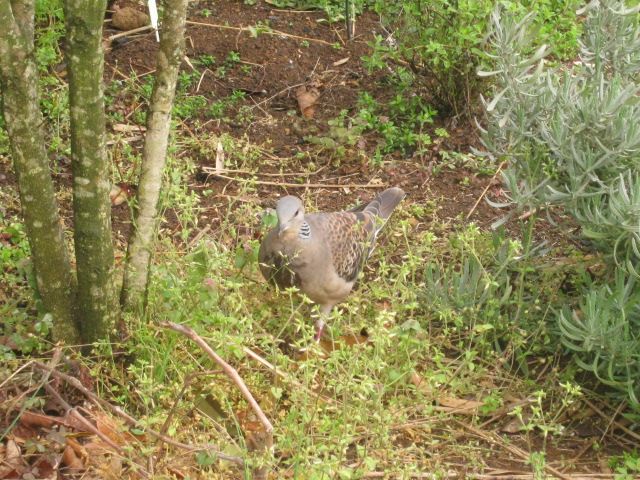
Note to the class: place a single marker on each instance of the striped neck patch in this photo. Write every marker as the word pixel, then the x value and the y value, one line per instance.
pixel 305 231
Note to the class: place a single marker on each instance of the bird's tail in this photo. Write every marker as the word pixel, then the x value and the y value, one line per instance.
pixel 376 213
pixel 381 208
pixel 385 203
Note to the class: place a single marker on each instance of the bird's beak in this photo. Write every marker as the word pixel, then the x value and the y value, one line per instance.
pixel 283 227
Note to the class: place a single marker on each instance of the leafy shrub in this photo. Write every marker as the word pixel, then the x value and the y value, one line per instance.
pixel 50 21
pixel 442 41
pixel 486 293
pixel 572 137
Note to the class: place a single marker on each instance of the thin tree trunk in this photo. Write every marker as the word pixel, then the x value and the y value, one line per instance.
pixel 23 119
pixel 155 151
pixel 24 14
pixel 97 301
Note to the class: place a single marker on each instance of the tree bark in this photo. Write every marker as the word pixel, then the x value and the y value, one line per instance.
pixel 23 119
pixel 96 301
pixel 134 290
pixel 24 15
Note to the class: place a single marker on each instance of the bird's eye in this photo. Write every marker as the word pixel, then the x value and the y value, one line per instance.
pixel 297 213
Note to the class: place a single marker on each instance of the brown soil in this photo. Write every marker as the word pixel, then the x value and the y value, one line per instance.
pixel 271 68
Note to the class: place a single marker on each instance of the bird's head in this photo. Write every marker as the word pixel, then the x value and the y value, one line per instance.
pixel 290 213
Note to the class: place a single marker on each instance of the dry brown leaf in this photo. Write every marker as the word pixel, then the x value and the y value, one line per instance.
pixel 342 61
pixel 461 405
pixel 44 468
pixel 79 450
pixel 32 419
pixel 113 430
pixel 11 466
pixel 71 460
pixel 422 385
pixel 219 158
pixel 176 472
pixel 307 96
pixel 96 448
pixel 120 193
pixel 8 342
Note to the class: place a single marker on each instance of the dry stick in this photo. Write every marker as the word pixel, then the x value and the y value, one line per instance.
pixel 55 359
pixel 484 192
pixel 283 375
pixel 576 458
pixel 198 236
pixel 291 185
pixel 268 174
pixel 629 432
pixel 256 104
pixel 267 32
pixel 254 443
pixel 228 369
pixel 279 93
pixel 86 423
pixel 497 440
pixel 129 32
pixel 204 72
pixel 99 402
pixel 613 418
pixel 14 374
pixel 531 476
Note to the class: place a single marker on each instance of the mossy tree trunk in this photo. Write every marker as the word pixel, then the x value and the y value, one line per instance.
pixel 96 299
pixel 141 243
pixel 24 123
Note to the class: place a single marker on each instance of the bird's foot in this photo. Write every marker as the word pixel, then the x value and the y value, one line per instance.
pixel 319 330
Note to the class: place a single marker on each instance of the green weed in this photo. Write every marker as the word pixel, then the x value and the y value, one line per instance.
pixel 219 108
pixel 443 42
pixel 333 9
pixel 626 466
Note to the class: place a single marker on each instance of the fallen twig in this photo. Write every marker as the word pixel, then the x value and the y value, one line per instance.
pixel 269 174
pixel 228 369
pixel 55 359
pixel 496 440
pixel 282 375
pixel 211 171
pixel 486 189
pixel 99 402
pixel 291 87
pixel 129 32
pixel 85 423
pixel 629 432
pixel 267 32
pixel 258 442
pixel 14 374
